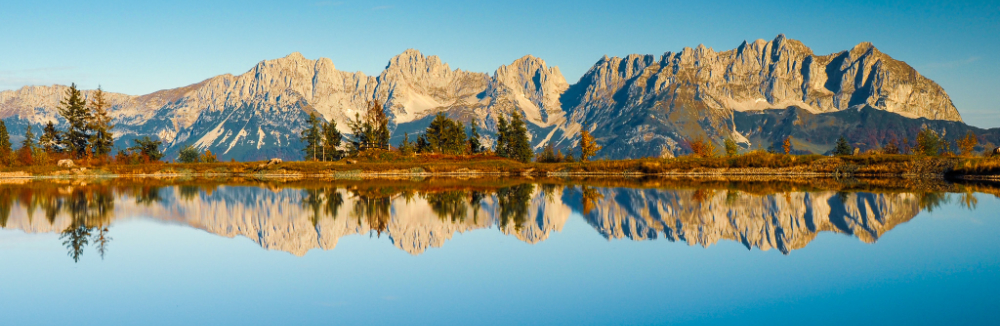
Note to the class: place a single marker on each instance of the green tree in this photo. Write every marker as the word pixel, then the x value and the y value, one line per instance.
pixel 445 135
pixel 370 131
pixel 406 146
pixel 331 142
pixel 6 152
pixel 51 140
pixel 311 136
pixel 102 140
pixel 502 148
pixel 731 148
pixel 147 148
pixel 189 154
pixel 74 110
pixel 520 145
pixel 475 145
pixel 422 145
pixel 842 148
pixel 25 154
pixel 928 143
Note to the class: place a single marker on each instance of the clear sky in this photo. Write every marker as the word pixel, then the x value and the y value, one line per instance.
pixel 137 47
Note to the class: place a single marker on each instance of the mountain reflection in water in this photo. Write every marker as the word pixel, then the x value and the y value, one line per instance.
pixel 416 215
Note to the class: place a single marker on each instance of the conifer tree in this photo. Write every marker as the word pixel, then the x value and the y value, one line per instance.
pixel 370 131
pixel 502 148
pixel 331 142
pixel 422 145
pixel 25 154
pixel 731 148
pixel 843 148
pixel 74 110
pixel 445 135
pixel 475 146
pixel 51 140
pixel 406 146
pixel 928 143
pixel 102 140
pixel 520 145
pixel 311 136
pixel 6 152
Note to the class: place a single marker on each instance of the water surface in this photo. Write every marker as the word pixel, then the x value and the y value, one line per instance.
pixel 251 252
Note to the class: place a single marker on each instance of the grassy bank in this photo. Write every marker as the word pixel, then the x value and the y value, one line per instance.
pixel 391 164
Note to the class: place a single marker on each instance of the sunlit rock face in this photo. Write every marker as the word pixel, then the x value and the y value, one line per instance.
pixel 636 106
pixel 785 221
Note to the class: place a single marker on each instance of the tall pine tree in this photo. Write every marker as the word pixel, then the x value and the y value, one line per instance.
pixel 74 110
pixel 311 136
pixel 6 152
pixel 102 140
pixel 520 145
pixel 51 140
pixel 331 142
pixel 475 146
pixel 502 148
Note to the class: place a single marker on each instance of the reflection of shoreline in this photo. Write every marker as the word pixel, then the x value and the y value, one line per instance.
pixel 297 220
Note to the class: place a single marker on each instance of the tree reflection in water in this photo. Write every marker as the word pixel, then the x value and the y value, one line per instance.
pixel 513 203
pixel 697 213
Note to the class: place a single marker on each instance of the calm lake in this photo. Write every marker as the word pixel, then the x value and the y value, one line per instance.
pixel 497 252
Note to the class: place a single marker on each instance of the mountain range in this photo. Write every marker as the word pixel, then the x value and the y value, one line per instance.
pixel 635 106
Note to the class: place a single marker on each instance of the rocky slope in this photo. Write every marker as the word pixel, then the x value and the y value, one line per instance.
pixel 636 106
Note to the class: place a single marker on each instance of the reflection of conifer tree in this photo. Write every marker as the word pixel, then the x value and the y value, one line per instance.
pixel 75 238
pixel 448 205
pixel 26 197
pixel 147 195
pixel 476 202
pixel 333 202
pixel 374 210
pixel 313 202
pixel 52 206
pixel 188 193
pixel 101 240
pixel 513 202
pixel 930 201
pixel 5 205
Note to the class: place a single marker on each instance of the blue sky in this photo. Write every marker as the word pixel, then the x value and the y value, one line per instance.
pixel 138 47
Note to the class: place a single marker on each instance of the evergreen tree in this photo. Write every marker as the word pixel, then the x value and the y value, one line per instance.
pixel 731 148
pixel 502 148
pixel 311 136
pixel 588 146
pixel 331 142
pixel 422 145
pixel 147 148
pixel 51 141
pixel 520 145
pixel 475 146
pixel 25 154
pixel 406 146
pixel 102 140
pixel 74 110
pixel 6 152
pixel 189 154
pixel 370 131
pixel 928 143
pixel 445 135
pixel 842 148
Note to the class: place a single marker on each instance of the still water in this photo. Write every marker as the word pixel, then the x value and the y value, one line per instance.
pixel 497 252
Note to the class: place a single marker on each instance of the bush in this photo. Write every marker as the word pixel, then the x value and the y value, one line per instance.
pixel 189 154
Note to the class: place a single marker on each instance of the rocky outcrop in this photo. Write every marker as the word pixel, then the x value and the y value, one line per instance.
pixel 636 106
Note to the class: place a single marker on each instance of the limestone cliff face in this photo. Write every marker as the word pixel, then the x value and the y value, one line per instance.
pixel 641 104
pixel 636 106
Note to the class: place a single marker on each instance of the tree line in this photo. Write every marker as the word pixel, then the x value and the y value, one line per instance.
pixel 443 136
pixel 88 135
